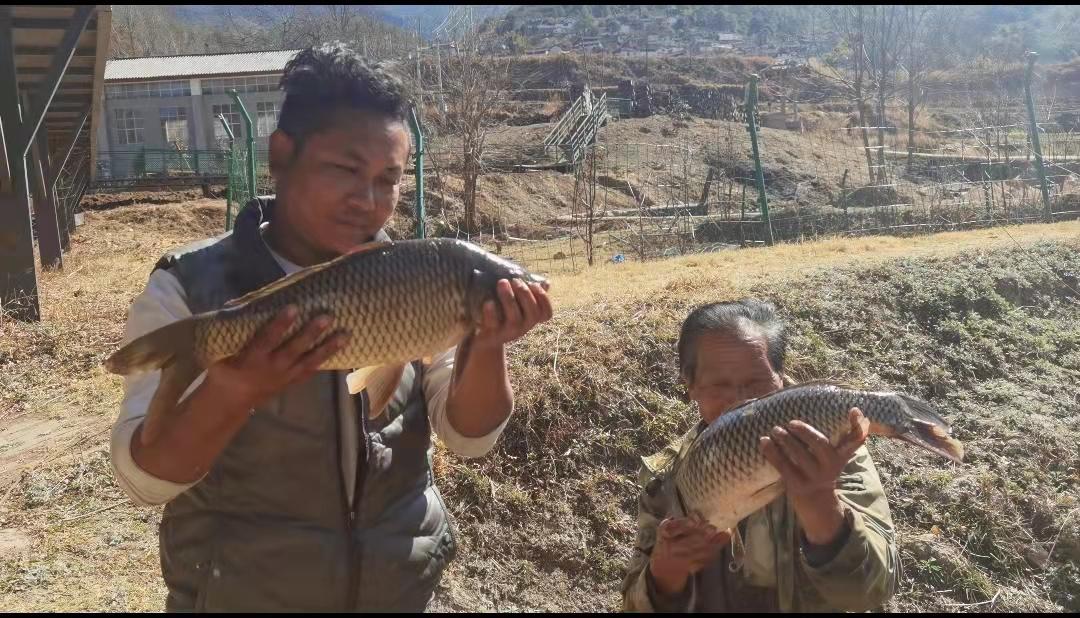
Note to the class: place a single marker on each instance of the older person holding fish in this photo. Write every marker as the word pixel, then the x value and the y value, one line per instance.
pixel 771 502
pixel 291 484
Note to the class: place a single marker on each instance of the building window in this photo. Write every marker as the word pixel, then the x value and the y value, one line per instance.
pixel 231 112
pixel 147 90
pixel 250 83
pixel 174 126
pixel 267 117
pixel 129 127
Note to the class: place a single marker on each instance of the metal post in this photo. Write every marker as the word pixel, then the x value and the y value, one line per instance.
pixel 751 120
pixel 250 141
pixel 418 137
pixel 18 277
pixel 229 197
pixel 50 246
pixel 1034 133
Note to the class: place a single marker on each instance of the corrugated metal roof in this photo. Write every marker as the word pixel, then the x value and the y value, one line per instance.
pixel 165 67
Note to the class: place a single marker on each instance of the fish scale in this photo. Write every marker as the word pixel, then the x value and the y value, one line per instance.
pixel 399 301
pixel 724 476
pixel 377 296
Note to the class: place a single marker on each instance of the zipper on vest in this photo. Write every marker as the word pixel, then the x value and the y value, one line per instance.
pixel 346 507
pixel 358 487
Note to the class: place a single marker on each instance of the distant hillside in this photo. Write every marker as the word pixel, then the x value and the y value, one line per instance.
pixel 999 31
pixel 403 16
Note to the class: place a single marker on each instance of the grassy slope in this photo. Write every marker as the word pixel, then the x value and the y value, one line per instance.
pixel 547 521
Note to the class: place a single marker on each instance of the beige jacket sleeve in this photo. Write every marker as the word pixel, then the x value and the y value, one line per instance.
pixel 863 574
pixel 656 502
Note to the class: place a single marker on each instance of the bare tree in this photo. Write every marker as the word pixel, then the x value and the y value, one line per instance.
pixel 928 31
pixel 885 44
pixel 475 87
pixel 847 68
pixel 153 30
pixel 294 26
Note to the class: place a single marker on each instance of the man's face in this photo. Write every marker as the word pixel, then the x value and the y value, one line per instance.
pixel 343 183
pixel 731 368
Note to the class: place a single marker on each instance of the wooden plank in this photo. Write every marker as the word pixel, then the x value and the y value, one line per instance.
pixel 45 71
pixel 59 11
pixel 23 62
pixel 51 38
pixel 45 23
pixel 97 113
pixel 47 52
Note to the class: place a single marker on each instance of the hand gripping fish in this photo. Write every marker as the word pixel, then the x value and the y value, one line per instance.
pixel 400 301
pixel 724 477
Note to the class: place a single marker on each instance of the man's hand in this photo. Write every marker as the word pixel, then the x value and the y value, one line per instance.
pixel 683 547
pixel 809 467
pixel 523 306
pixel 481 397
pixel 270 363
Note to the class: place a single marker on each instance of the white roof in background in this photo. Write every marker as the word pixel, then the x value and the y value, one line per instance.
pixel 198 65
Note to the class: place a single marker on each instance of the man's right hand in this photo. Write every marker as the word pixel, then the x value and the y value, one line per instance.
pixel 270 363
pixel 683 547
pixel 219 407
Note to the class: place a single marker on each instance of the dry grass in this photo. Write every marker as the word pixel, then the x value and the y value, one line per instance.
pixel 739 269
pixel 56 406
pixel 546 522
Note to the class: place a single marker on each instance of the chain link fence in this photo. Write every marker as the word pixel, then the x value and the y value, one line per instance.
pixel 965 163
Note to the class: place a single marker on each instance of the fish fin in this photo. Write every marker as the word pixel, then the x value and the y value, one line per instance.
pixel 175 379
pixel 929 430
pixel 288 280
pixel 380 382
pixel 834 383
pixel 155 349
pixel 770 491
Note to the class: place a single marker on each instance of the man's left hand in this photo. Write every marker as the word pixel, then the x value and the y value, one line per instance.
pixel 809 467
pixel 523 306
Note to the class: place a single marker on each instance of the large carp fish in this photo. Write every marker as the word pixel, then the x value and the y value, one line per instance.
pixel 400 301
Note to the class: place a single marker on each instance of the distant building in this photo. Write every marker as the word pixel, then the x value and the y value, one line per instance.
pixel 171 103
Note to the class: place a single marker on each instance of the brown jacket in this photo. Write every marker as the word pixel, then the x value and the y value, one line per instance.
pixel 779 572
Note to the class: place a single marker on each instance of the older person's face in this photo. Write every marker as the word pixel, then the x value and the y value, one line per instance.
pixel 731 368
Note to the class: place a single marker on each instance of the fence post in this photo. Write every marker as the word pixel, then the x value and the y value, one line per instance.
pixel 250 142
pixel 1034 131
pixel 230 184
pixel 418 136
pixel 751 123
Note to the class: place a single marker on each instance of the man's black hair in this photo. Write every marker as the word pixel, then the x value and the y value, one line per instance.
pixel 319 82
pixel 742 316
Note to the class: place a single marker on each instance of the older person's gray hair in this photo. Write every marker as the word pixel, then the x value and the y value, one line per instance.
pixel 742 317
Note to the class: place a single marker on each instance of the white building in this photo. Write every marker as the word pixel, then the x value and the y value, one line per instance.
pixel 171 103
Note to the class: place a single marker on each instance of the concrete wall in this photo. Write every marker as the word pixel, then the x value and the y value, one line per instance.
pixel 117 160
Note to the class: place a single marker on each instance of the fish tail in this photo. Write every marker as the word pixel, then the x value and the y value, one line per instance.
pixel 929 430
pixel 176 377
pixel 156 349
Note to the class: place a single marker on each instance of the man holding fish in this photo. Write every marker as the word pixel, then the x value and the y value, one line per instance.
pixel 771 502
pixel 289 482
